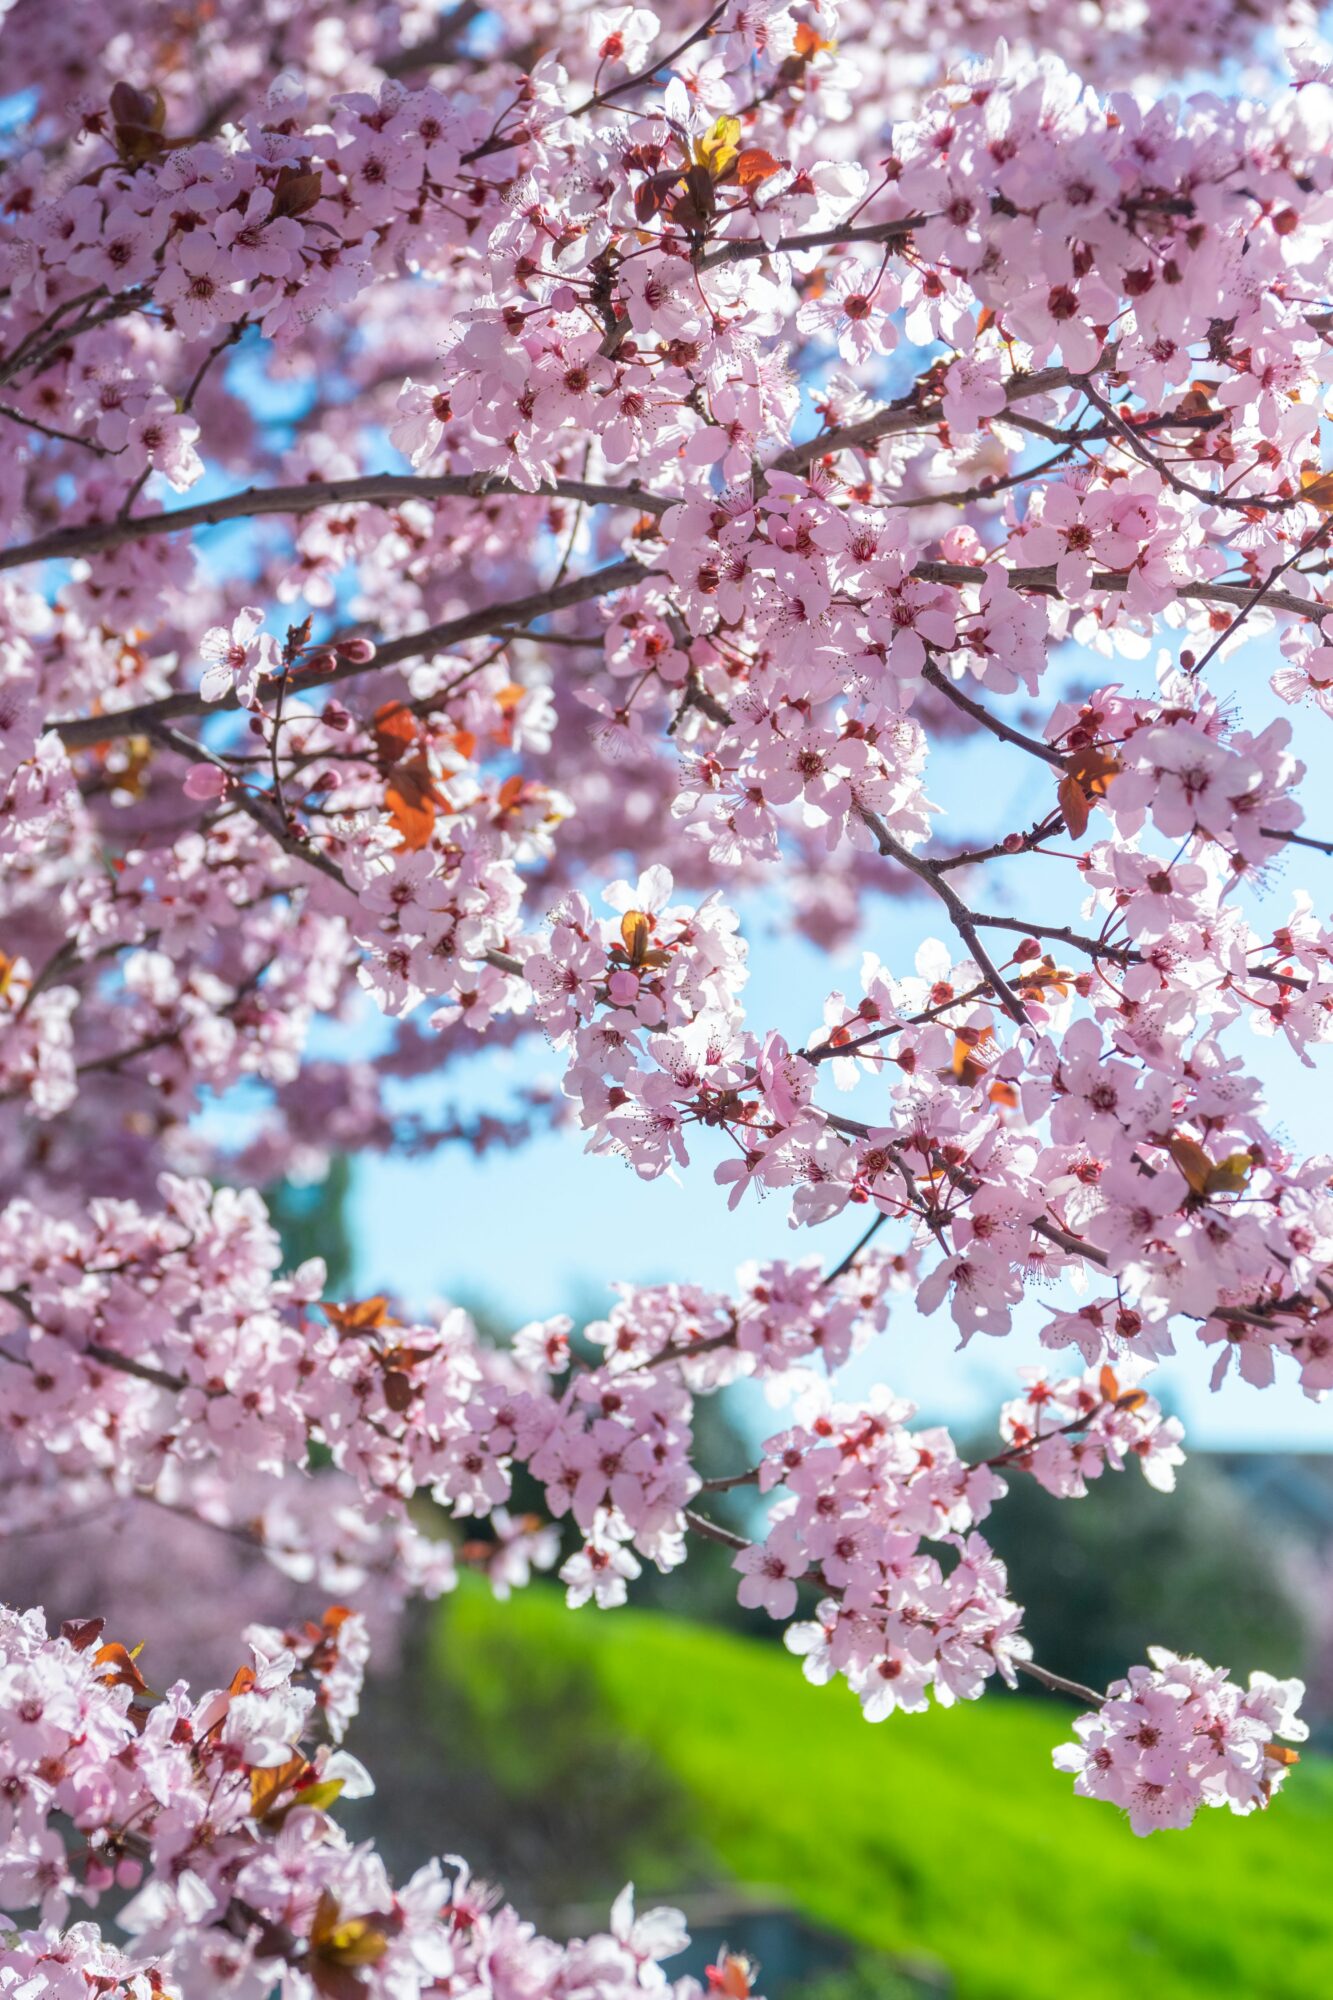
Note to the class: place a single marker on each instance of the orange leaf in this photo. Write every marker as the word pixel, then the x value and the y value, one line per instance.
pixel 1094 768
pixel 345 1940
pixel 510 793
pixel 634 929
pixel 118 1662
pixel 1192 1160
pixel 808 43
pixel 268 1785
pixel 754 166
pixel 973 1053
pixel 1278 1753
pixel 732 1978
pixel 1108 1384
pixel 359 1315
pixel 1046 973
pixel 1073 807
pixel 1317 488
pixel 412 804
pixel 325 1920
pixel 395 729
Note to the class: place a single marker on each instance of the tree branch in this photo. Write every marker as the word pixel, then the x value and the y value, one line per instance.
pixel 909 414
pixel 711 1532
pixel 959 914
pixel 368 490
pixel 80 731
pixel 1035 748
pixel 1059 1685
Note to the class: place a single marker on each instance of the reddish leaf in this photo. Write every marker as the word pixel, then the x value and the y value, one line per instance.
pixel 1193 1161
pixel 634 930
pixel 296 191
pixel 395 730
pixel 754 165
pixel 359 1315
pixel 267 1785
pixel 412 803
pixel 82 1632
pixel 808 42
pixel 119 1668
pixel 397 1390
pixel 1073 807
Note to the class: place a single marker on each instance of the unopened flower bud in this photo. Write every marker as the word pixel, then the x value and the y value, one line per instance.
pixel 205 782
pixel 356 652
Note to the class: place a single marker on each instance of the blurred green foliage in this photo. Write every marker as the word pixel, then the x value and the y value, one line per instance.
pixel 675 1754
pixel 1103 1578
pixel 311 1218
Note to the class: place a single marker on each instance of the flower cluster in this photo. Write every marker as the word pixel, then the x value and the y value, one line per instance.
pixel 1179 1735
pixel 1069 1431
pixel 217 1811
pixel 862 1491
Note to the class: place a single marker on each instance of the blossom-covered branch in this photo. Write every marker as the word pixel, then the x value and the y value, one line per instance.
pixel 639 452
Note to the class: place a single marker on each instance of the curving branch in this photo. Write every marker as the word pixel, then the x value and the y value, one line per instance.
pixel 78 732
pixel 369 490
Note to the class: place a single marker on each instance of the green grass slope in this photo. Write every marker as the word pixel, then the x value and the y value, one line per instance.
pixel 946 1836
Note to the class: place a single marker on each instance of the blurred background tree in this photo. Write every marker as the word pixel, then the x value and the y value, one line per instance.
pixel 1103 1578
pixel 311 1217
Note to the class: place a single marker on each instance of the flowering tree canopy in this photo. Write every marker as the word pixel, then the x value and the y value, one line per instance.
pixel 633 443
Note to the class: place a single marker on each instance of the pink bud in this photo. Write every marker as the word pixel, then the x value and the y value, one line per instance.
pixel 205 782
pixel 356 652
